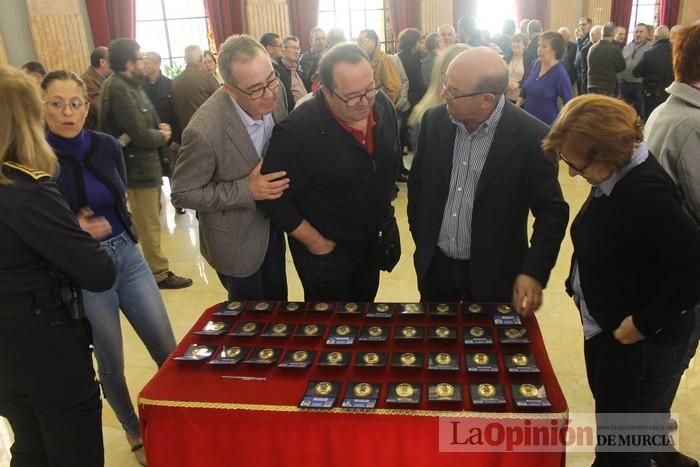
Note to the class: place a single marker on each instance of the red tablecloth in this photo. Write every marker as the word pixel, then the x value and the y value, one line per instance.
pixel 191 416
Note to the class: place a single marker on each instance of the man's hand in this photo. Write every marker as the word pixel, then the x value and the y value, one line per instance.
pixel 627 332
pixel 527 294
pixel 174 147
pixel 322 247
pixel 97 227
pixel 167 132
pixel 268 186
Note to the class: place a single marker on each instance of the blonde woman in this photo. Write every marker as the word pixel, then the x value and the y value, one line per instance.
pixel 48 390
pixel 432 95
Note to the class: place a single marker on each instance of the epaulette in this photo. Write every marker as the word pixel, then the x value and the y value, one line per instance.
pixel 37 175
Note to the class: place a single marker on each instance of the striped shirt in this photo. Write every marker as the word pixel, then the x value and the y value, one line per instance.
pixel 468 161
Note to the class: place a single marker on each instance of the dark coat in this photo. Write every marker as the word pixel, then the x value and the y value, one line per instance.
pixel 412 66
pixel 656 66
pixel 161 95
pixel 286 79
pixel 515 180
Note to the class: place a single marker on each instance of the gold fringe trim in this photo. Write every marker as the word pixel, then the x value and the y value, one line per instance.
pixel 414 413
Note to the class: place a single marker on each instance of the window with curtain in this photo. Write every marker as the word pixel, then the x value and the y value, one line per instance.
pixel 643 11
pixel 168 26
pixel 352 16
pixel 490 14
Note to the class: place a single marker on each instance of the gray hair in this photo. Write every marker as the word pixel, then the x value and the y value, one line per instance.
pixel 193 54
pixel 661 33
pixel 609 30
pixel 596 31
pixel 239 48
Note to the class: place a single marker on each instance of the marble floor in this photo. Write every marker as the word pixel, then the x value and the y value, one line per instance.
pixel 558 319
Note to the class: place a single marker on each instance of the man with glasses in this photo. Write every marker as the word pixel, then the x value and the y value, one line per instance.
pixel 288 69
pixel 218 174
pixel 341 151
pixel 477 174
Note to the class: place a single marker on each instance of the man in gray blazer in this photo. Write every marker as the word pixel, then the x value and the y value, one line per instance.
pixel 218 174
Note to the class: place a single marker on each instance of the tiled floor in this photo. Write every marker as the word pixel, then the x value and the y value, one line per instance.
pixel 558 319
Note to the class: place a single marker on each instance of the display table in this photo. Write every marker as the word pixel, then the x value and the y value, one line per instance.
pixel 194 413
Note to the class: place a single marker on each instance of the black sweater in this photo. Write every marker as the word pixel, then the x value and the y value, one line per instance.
pixel 638 253
pixel 334 184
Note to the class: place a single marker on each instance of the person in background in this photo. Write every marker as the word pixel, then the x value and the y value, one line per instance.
pixel 656 70
pixel 534 30
pixel 433 46
pixel 583 38
pixel 635 268
pixel 93 78
pixel 448 34
pixel 505 38
pixel 309 61
pixel 34 69
pixel 569 58
pixel 630 85
pixel 516 67
pixel 386 76
pixel 548 81
pixel 673 134
pixel 468 32
pixel 92 181
pixel 605 61
pixel 673 33
pixel 192 87
pixel 620 37
pixel 594 36
pixel 209 64
pixel 48 391
pixel 522 26
pixel 287 69
pixel 335 36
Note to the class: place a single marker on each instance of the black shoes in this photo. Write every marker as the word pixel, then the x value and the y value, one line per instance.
pixel 172 281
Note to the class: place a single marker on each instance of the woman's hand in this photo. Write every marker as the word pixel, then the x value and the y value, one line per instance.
pixel 98 227
pixel 627 332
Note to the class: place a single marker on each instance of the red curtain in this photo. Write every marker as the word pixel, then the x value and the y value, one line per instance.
pixel 403 14
pixel 620 13
pixel 225 17
pixel 532 9
pixel 669 12
pixel 461 8
pixel 110 19
pixel 304 17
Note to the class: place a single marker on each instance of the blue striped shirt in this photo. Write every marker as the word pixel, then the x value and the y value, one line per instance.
pixel 468 159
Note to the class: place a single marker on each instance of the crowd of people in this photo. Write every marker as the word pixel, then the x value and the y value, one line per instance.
pixel 265 142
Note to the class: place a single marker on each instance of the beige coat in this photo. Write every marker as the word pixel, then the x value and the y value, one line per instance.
pixel 190 89
pixel 386 76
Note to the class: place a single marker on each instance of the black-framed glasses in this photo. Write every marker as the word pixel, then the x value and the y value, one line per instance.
pixel 571 165
pixel 357 98
pixel 452 97
pixel 259 92
pixel 58 105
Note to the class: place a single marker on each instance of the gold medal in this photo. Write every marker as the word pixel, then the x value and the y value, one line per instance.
pixel 481 359
pixel 404 390
pixel 323 388
pixel 342 330
pixel 382 307
pixel 351 307
pixel 528 390
pixel 310 330
pixel 249 327
pixel 232 352
pixel 474 308
pixel 200 351
pixel 323 306
pixel 408 358
pixel 442 308
pixel 486 390
pixel 214 326
pixel 375 331
pixel 334 357
pixel 411 308
pixel 505 309
pixel 279 328
pixel 266 354
pixel 233 306
pixel 444 390
pixel 442 331
pixel 371 358
pixel 300 356
pixel 408 331
pixel 519 359
pixel 476 331
pixel 292 307
pixel 262 306
pixel 443 358
pixel 513 333
pixel 362 390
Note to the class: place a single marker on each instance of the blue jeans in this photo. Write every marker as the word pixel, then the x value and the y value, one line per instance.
pixel 136 293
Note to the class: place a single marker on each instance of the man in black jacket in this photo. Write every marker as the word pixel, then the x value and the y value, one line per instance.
pixel 289 72
pixel 478 172
pixel 340 150
pixel 656 67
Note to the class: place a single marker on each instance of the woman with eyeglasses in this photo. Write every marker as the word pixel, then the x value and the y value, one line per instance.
pixel 48 391
pixel 92 178
pixel 547 81
pixel 636 263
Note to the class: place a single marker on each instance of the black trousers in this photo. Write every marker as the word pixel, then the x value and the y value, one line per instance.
pixel 631 379
pixel 344 274
pixel 447 280
pixel 48 391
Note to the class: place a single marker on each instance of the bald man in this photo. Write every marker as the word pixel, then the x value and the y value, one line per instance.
pixel 477 173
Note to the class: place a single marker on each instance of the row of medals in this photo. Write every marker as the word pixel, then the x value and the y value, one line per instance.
pixel 352 307
pixel 406 390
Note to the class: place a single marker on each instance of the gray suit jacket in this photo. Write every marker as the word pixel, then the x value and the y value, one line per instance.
pixel 211 177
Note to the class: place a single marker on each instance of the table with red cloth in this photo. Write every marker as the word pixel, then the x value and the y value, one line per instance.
pixel 194 414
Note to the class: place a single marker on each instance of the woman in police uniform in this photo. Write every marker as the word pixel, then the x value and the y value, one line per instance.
pixel 47 385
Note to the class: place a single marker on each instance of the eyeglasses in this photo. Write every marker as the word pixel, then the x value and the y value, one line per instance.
pixel 58 105
pixel 452 97
pixel 571 165
pixel 258 93
pixel 356 99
